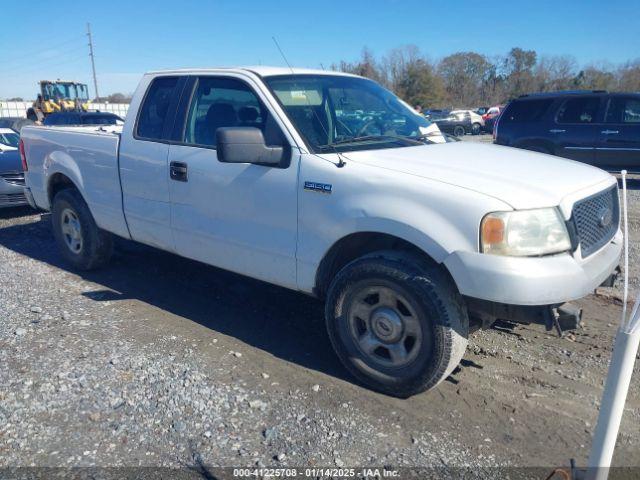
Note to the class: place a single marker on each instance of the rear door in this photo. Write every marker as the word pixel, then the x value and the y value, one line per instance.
pixel 619 146
pixel 575 128
pixel 238 216
pixel 144 166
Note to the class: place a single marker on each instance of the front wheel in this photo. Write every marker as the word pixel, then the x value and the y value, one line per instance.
pixel 82 243
pixel 459 131
pixel 398 325
pixel 475 129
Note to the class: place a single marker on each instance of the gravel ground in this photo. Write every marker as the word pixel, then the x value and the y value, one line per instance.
pixel 161 361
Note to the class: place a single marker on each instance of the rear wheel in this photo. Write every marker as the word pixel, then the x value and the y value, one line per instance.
pixel 458 131
pixel 475 129
pixel 398 326
pixel 81 242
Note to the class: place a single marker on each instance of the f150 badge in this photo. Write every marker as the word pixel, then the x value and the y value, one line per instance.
pixel 318 187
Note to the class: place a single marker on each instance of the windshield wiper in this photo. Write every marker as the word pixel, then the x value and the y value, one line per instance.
pixel 365 138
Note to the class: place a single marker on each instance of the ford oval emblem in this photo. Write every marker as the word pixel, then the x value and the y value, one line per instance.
pixel 604 217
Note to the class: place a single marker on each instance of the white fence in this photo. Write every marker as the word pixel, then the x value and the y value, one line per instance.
pixel 19 109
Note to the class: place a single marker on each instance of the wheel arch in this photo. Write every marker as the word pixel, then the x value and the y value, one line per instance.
pixel 359 244
pixel 57 182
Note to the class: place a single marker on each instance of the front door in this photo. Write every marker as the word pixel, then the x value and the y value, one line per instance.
pixel 619 146
pixel 238 216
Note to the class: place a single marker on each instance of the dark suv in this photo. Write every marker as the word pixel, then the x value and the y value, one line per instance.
pixel 594 127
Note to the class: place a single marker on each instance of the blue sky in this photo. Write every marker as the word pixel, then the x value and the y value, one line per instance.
pixel 132 37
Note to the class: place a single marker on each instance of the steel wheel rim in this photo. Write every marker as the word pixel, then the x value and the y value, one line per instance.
pixel 385 327
pixel 71 230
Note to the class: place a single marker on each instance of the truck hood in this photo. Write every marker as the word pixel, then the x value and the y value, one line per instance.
pixel 521 178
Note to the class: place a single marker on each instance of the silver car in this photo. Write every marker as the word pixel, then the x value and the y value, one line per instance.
pixel 11 180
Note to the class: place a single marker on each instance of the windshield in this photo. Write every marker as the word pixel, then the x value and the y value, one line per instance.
pixel 11 139
pixel 69 91
pixel 340 113
pixel 82 92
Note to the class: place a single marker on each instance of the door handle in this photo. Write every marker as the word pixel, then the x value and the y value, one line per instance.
pixel 609 132
pixel 556 130
pixel 178 171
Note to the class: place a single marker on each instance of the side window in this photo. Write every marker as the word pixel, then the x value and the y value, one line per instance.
pixel 623 110
pixel 153 112
pixel 526 110
pixel 226 102
pixel 579 110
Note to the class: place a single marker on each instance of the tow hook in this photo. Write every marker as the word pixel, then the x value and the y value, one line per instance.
pixel 565 317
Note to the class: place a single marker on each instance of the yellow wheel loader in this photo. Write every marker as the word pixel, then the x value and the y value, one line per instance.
pixel 59 96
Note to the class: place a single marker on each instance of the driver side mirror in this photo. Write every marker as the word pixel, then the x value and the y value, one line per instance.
pixel 246 145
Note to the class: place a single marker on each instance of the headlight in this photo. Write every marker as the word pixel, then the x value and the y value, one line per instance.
pixel 524 233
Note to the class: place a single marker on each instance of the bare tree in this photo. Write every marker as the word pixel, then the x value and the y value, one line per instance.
pixel 554 73
pixel 464 75
pixel 518 68
pixel 629 77
pixel 468 79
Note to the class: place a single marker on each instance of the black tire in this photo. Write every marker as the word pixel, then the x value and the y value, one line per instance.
pixel 95 245
pixel 476 128
pixel 428 292
pixel 31 115
pixel 459 131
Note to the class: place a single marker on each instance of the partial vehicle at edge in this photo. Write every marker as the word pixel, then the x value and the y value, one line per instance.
pixel 594 127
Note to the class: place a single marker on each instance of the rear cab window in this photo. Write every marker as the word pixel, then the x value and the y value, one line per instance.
pixel 156 112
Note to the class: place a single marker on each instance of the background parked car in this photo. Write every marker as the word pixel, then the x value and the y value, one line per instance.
pixel 460 122
pixel 14 123
pixel 594 127
pixel 83 118
pixel 491 116
pixel 477 122
pixel 9 139
pixel 11 180
pixel 435 114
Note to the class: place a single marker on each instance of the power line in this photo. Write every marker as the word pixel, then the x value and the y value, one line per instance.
pixel 27 61
pixel 45 47
pixel 40 67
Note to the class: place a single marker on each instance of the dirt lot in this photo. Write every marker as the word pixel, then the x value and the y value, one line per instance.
pixel 158 360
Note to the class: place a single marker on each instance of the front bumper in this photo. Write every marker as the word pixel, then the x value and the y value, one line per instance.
pixel 11 195
pixel 532 280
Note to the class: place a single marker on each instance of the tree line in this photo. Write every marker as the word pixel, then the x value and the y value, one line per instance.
pixel 469 79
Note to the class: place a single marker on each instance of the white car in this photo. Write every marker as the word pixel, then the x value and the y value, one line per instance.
pixel 475 118
pixel 8 139
pixel 328 184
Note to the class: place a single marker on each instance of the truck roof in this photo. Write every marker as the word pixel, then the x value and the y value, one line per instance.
pixel 262 70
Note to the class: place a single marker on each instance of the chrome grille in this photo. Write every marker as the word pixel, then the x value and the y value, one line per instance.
pixel 596 219
pixel 15 178
pixel 12 199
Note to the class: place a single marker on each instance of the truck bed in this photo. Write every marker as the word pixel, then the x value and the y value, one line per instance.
pixel 88 157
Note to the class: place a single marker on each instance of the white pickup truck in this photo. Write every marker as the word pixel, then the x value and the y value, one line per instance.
pixel 328 184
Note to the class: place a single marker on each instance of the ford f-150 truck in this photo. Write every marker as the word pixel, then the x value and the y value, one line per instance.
pixel 329 184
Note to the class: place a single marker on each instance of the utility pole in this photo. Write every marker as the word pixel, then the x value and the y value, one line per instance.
pixel 93 62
